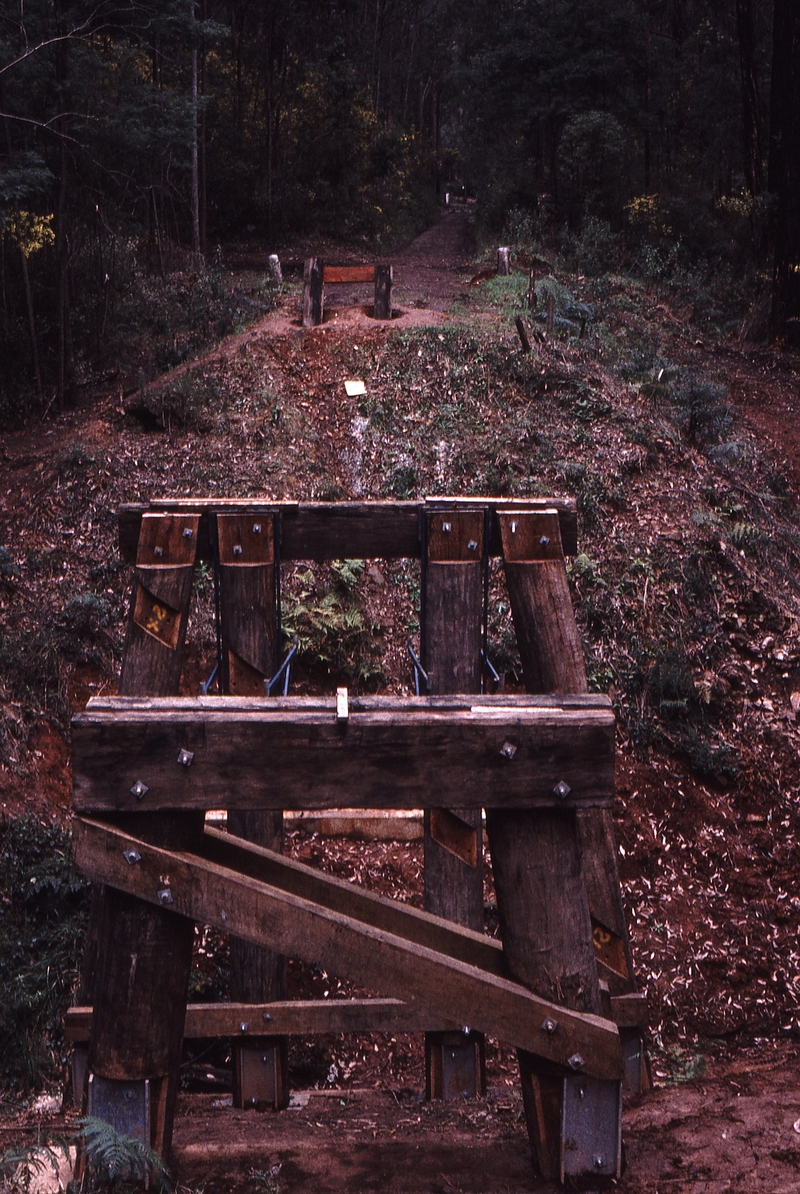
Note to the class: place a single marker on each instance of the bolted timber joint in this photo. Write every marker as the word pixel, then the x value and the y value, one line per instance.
pixel 187 532
pixel 164 896
pixel 562 790
pixel 576 1062
pixel 158 551
pixel 139 790
pixel 544 541
pixel 599 1162
pixel 237 549
pixel 131 856
pixel 267 1018
pixel 244 1026
pixel 256 528
pixel 549 1025
pixel 508 750
pixel 472 545
pixel 185 758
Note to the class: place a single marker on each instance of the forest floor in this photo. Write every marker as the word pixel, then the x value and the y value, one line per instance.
pixel 681 536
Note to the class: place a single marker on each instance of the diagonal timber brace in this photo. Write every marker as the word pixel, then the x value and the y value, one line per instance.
pixel 268 914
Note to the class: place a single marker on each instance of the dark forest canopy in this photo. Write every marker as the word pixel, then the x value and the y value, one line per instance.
pixel 133 128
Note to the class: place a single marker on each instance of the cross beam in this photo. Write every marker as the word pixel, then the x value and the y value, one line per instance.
pixel 140 755
pixel 317 932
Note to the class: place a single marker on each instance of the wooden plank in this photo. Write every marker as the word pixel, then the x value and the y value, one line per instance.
pixel 340 530
pixel 249 640
pixel 348 273
pixel 313 292
pixel 159 608
pixel 296 1017
pixel 265 914
pixel 394 752
pixel 313 1017
pixel 544 910
pixel 384 277
pixel 453 617
pixel 138 957
pixel 337 895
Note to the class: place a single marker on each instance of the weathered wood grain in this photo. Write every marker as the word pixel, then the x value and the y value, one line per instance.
pixel 541 892
pixel 392 753
pixel 384 277
pixel 453 845
pixel 313 292
pixel 290 924
pixel 339 530
pixel 348 273
pixel 296 1017
pixel 138 958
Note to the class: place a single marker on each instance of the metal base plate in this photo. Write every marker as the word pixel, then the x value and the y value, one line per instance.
pixel 124 1105
pixel 591 1127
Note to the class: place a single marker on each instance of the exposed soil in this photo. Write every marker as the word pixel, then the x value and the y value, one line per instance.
pixel 709 865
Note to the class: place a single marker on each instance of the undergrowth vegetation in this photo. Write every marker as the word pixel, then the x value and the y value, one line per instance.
pixel 42 923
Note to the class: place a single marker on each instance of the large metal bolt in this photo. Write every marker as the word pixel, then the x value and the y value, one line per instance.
pixel 599 1162
pixel 256 528
pixel 472 545
pixel 187 532
pixel 139 790
pixel 131 856
pixel 576 1062
pixel 562 790
pixel 447 527
pixel 549 1025
pixel 237 549
pixel 244 1026
pixel 544 541
pixel 158 551
pixel 185 758
pixel 165 896
pixel 508 750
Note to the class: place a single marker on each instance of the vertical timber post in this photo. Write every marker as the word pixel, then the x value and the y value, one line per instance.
pixel 246 557
pixel 313 292
pixel 383 292
pixel 574 1123
pixel 454 1062
pixel 141 954
pixel 503 261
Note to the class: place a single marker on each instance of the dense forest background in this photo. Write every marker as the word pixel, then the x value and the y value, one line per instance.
pixel 658 136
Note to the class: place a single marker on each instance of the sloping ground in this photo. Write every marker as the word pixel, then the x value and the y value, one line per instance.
pixel 682 452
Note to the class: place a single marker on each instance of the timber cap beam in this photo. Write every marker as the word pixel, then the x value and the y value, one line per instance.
pixel 141 755
pixel 343 530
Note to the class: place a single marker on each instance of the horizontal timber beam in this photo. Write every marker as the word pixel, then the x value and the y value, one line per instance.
pixel 314 1017
pixel 348 273
pixel 267 915
pixel 341 530
pixel 140 754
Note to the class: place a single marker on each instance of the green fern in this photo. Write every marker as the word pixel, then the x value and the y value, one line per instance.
pixel 119 1163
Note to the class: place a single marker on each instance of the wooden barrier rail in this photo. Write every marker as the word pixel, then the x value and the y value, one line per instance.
pixel 316 274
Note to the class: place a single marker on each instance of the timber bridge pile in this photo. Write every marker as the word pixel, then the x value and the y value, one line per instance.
pixel 149 764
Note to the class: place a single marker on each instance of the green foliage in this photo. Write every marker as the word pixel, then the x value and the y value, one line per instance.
pixel 326 619
pixel 119 1164
pixel 42 922
pixel 26 1165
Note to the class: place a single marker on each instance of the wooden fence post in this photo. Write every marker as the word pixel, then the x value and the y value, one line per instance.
pixel 383 291
pixel 542 900
pixel 454 1062
pixel 245 545
pixel 313 293
pixel 141 955
pixel 504 261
